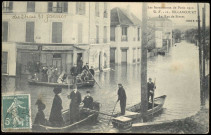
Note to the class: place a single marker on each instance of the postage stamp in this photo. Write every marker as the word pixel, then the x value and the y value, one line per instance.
pixel 16 111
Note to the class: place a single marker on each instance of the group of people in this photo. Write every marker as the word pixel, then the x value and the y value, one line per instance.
pixel 51 74
pixel 56 118
pixel 122 95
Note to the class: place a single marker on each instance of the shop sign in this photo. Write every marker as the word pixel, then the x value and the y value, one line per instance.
pixel 58 48
pixel 27 47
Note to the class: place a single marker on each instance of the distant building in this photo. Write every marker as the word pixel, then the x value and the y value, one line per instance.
pixel 125 37
pixel 54 34
pixel 162 31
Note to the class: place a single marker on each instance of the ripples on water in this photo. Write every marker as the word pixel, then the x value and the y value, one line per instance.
pixel 177 76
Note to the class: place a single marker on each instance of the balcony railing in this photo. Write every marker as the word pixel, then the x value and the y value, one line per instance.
pixel 124 38
pixel 98 40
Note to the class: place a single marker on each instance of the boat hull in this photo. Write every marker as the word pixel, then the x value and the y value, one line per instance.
pixel 89 118
pixel 89 83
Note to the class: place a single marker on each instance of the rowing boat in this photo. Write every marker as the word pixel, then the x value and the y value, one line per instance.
pixel 89 83
pixel 133 113
pixel 86 117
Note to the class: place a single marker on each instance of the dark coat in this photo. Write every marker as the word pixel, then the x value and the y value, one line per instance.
pixel 121 95
pixel 56 111
pixel 40 118
pixel 86 67
pixel 73 71
pixel 88 102
pixel 150 86
pixel 92 71
pixel 74 105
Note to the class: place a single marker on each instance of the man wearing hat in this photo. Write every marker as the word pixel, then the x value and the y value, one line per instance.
pixel 74 72
pixel 88 101
pixel 122 98
pixel 75 97
pixel 86 67
pixel 151 87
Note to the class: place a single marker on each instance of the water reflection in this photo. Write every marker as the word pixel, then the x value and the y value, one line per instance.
pixel 177 76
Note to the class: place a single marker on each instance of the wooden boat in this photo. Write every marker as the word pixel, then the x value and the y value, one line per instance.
pixel 133 113
pixel 86 117
pixel 89 83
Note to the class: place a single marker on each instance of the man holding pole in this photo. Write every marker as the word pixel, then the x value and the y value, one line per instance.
pixel 151 86
pixel 122 98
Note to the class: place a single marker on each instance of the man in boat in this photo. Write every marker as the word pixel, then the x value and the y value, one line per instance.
pixel 75 97
pixel 56 118
pixel 40 116
pixel 91 73
pixel 122 98
pixel 86 67
pixel 88 101
pixel 79 65
pixel 74 72
pixel 151 86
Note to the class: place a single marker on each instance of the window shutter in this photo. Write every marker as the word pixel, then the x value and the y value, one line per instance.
pixel 50 5
pixel 10 5
pixel 65 7
pixel 29 31
pixel 5 31
pixel 77 7
pixel 56 32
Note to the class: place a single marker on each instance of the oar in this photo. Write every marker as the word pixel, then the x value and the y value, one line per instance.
pixel 93 77
pixel 112 112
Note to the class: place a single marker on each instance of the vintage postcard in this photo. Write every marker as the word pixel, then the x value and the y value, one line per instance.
pixel 105 67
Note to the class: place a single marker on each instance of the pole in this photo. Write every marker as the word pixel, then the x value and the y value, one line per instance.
pixel 203 49
pixel 200 60
pixel 112 113
pixel 144 92
pixel 153 97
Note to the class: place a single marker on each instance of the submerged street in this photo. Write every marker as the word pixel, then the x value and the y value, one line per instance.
pixel 177 76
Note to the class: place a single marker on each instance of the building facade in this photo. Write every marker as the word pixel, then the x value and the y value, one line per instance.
pixel 162 30
pixel 125 37
pixel 54 34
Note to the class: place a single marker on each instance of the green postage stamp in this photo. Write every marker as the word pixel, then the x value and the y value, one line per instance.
pixel 16 111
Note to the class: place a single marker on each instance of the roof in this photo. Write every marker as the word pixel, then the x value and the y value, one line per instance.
pixel 120 16
pixel 159 19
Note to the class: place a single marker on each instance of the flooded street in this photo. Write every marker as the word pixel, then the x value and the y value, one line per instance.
pixel 177 76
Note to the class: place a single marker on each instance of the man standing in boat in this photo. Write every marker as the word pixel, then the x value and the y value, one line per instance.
pixel 74 73
pixel 151 86
pixel 88 101
pixel 122 98
pixel 75 97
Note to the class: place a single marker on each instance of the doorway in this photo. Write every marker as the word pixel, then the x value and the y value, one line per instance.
pixel 124 56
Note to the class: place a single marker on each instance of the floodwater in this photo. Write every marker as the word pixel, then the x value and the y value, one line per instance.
pixel 177 76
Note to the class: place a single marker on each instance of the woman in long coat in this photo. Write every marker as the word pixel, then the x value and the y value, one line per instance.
pixel 56 118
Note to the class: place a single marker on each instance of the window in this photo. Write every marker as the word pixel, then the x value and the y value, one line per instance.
pixel 105 10
pixel 7 6
pixel 105 35
pixel 57 32
pixel 29 31
pixel 30 6
pixel 80 8
pixel 4 31
pixel 58 7
pixel 124 33
pixel 97 12
pixel 97 34
pixel 112 34
pixel 4 62
pixel 80 33
pixel 138 34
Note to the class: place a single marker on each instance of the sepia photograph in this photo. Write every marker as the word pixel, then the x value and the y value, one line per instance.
pixel 105 67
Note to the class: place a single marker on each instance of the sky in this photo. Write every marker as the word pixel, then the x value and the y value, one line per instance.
pixel 179 9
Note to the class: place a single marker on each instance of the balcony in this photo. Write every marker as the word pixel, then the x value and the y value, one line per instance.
pixel 124 38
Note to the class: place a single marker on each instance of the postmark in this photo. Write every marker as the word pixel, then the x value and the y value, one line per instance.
pixel 16 111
